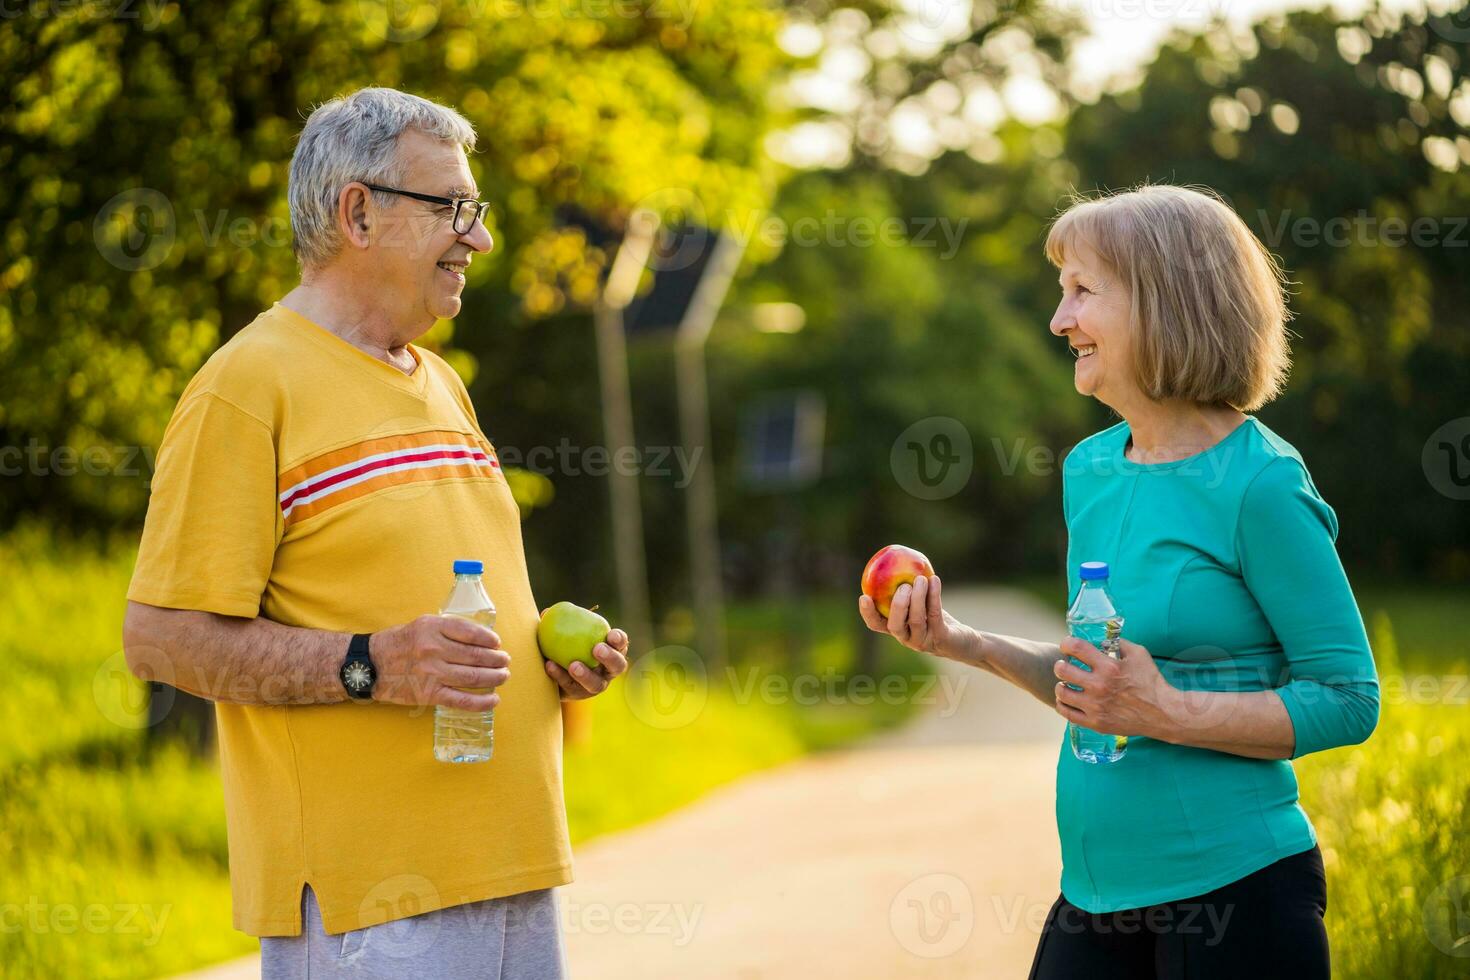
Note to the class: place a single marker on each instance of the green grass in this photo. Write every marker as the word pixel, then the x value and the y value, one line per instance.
pixel 1429 634
pixel 1391 814
pixel 114 852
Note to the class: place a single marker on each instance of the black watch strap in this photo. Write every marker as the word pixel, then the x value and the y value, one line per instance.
pixel 358 675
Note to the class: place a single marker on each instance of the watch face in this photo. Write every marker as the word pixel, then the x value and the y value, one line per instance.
pixel 358 676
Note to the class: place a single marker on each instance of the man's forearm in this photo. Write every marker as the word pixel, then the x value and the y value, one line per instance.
pixel 1028 664
pixel 232 659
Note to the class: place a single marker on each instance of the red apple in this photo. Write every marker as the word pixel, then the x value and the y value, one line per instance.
pixel 888 569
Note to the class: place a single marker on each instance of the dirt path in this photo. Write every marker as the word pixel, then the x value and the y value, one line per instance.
pixel 929 852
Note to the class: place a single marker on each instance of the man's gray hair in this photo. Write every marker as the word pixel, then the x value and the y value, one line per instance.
pixel 355 137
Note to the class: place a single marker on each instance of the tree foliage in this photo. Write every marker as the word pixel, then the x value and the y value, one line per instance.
pixel 146 150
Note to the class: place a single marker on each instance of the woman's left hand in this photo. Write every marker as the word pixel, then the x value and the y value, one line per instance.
pixel 1123 696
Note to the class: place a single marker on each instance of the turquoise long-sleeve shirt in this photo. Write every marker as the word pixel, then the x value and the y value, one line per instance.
pixel 1224 566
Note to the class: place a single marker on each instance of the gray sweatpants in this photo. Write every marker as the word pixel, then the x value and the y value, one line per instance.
pixel 513 938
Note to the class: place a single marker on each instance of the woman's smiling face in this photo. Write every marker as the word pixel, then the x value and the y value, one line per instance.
pixel 1095 317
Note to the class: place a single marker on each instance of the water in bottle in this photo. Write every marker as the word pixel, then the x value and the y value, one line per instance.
pixel 466 736
pixel 1094 617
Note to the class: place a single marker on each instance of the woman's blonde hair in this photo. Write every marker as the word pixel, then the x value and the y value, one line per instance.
pixel 1209 302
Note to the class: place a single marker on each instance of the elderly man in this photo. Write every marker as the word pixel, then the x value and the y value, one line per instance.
pixel 318 479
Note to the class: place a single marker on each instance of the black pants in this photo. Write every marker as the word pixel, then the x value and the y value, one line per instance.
pixel 1268 924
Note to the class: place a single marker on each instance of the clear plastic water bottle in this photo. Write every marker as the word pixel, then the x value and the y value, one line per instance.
pixel 466 736
pixel 1095 618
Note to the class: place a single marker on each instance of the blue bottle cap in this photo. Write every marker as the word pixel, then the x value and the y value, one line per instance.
pixel 468 566
pixel 1092 571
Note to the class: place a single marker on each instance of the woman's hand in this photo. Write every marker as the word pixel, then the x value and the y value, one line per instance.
pixel 1123 696
pixel 917 620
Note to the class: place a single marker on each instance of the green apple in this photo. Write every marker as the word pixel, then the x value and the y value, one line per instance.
pixel 568 632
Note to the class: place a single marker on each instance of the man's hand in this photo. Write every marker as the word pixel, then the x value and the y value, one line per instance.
pixel 429 660
pixel 584 682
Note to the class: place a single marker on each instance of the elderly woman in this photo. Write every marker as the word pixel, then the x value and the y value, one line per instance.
pixel 1243 645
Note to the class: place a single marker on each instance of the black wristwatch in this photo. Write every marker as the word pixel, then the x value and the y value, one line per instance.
pixel 358 674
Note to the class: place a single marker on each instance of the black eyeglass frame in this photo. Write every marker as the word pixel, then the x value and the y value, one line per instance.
pixel 458 203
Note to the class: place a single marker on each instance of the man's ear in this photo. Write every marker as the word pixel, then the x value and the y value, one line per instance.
pixel 354 215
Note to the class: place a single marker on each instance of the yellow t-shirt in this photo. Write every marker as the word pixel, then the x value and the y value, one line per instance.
pixel 306 481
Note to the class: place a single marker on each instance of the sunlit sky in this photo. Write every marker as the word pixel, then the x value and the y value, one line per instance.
pixel 1126 33
pixel 1123 37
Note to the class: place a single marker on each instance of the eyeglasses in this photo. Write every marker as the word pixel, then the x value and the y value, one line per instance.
pixel 466 212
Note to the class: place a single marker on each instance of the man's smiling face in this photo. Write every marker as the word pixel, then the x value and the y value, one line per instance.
pixel 420 259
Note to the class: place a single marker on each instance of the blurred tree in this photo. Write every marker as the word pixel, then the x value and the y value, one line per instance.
pixel 913 248
pixel 1345 146
pixel 144 216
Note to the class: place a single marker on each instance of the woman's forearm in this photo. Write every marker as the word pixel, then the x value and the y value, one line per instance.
pixel 1253 724
pixel 1028 664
